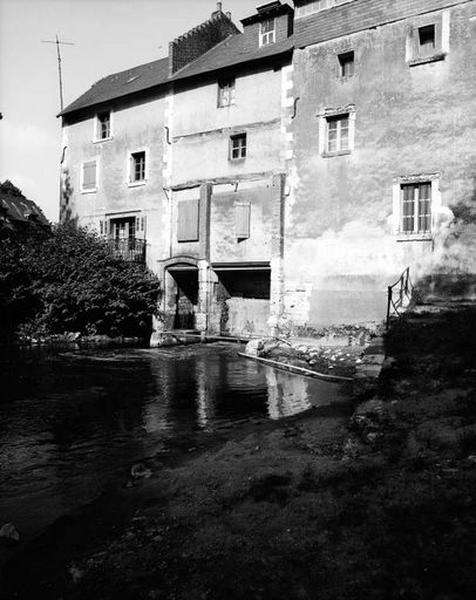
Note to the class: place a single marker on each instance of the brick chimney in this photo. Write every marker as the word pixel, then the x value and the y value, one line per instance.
pixel 189 46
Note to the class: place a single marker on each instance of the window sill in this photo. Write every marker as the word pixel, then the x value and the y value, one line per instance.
pixel 188 241
pixel 345 78
pixel 226 105
pixel 91 191
pixel 108 139
pixel 337 153
pixel 422 60
pixel 136 183
pixel 414 237
pixel 235 161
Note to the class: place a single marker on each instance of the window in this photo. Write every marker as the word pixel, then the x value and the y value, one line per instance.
pixel 337 133
pixel 238 146
pixel 242 220
pixel 346 64
pixel 187 220
pixel 426 39
pixel 137 173
pixel 89 176
pixel 103 126
pixel 267 33
pixel 415 207
pixel 226 92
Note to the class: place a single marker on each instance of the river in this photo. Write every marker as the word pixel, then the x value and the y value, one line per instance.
pixel 72 422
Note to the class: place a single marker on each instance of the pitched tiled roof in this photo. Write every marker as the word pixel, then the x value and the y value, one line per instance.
pixel 234 50
pixel 20 209
pixel 121 84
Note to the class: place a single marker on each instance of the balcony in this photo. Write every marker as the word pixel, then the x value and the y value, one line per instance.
pixel 130 249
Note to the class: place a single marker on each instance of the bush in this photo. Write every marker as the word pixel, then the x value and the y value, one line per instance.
pixel 68 280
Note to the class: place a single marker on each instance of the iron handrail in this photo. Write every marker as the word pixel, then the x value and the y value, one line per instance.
pixel 396 302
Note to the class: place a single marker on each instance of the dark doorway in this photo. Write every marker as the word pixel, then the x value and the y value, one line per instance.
pixel 186 297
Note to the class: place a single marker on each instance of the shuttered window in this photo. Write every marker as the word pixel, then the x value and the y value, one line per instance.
pixel 89 175
pixel 187 220
pixel 242 220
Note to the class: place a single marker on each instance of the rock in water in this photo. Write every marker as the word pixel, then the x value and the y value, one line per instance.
pixel 254 347
pixel 9 534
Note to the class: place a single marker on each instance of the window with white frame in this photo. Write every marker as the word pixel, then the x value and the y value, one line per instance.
pixel 137 167
pixel 103 126
pixel 428 40
pixel 415 207
pixel 89 176
pixel 267 32
pixel 237 146
pixel 226 92
pixel 337 139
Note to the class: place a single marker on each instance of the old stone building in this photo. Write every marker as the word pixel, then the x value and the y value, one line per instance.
pixel 280 177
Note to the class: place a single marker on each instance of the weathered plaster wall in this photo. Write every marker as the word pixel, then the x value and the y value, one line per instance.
pixel 224 244
pixel 136 125
pixel 201 130
pixel 342 249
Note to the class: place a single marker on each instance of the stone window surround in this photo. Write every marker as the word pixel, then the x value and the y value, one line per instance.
pixel 441 22
pixel 323 116
pixel 436 203
pixel 81 176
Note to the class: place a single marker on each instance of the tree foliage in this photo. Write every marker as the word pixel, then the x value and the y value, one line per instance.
pixel 67 280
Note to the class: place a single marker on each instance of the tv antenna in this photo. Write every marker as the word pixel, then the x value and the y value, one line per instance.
pixel 59 43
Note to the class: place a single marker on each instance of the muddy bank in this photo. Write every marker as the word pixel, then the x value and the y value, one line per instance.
pixel 381 505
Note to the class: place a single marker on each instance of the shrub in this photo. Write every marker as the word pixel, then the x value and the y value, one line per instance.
pixel 68 280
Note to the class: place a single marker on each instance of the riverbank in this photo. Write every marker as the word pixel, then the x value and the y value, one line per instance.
pixel 380 507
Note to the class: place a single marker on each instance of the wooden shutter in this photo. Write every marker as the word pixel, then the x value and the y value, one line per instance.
pixel 89 175
pixel 242 220
pixel 187 220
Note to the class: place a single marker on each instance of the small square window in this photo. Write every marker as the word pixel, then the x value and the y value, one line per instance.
pixel 415 207
pixel 346 64
pixel 426 39
pixel 137 167
pixel 337 133
pixel 267 32
pixel 89 176
pixel 103 126
pixel 226 92
pixel 238 146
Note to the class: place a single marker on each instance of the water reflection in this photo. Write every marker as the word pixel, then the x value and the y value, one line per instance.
pixel 72 423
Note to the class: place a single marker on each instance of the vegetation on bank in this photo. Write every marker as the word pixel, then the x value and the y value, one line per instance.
pixel 65 279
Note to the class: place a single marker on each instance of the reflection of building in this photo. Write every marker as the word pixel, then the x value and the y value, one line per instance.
pixel 287 173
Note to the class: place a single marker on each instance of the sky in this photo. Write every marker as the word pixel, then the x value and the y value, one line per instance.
pixel 108 36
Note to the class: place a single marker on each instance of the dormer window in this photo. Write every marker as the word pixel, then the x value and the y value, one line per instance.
pixel 267 32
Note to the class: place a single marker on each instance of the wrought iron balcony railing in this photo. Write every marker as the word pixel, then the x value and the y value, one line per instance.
pixel 130 249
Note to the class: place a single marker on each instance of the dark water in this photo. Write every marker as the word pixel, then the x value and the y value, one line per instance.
pixel 73 423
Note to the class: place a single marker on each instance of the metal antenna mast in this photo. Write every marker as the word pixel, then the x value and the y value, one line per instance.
pixel 58 53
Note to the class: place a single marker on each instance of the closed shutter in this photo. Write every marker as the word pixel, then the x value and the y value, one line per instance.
pixel 89 175
pixel 242 220
pixel 187 221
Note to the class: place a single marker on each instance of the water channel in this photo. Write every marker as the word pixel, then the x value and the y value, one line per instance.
pixel 72 422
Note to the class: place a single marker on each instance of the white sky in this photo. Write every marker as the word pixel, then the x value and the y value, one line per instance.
pixel 109 36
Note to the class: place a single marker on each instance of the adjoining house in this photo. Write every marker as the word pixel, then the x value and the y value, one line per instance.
pixel 17 213
pixel 280 177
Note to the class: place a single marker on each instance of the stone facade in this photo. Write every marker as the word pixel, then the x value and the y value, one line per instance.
pixel 268 175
